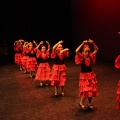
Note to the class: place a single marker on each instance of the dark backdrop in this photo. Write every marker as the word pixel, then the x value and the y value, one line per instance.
pixel 36 20
pixel 100 21
pixel 70 20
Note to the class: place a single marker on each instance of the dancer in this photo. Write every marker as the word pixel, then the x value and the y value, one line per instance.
pixel 58 73
pixel 25 56
pixel 18 48
pixel 117 65
pixel 87 78
pixel 43 72
pixel 31 62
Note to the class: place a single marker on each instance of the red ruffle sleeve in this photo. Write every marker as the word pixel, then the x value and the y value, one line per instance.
pixel 93 57
pixel 66 53
pixel 117 62
pixel 53 54
pixel 78 58
pixel 38 54
pixel 48 53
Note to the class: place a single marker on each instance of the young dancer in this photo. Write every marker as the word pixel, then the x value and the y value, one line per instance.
pixel 25 56
pixel 18 48
pixel 43 72
pixel 31 62
pixel 87 78
pixel 117 65
pixel 58 73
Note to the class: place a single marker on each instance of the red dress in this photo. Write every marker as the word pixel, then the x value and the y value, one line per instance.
pixel 18 54
pixel 117 65
pixel 87 78
pixel 31 62
pixel 25 57
pixel 43 72
pixel 58 73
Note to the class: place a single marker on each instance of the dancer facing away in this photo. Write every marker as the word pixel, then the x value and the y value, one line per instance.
pixel 87 78
pixel 43 72
pixel 58 73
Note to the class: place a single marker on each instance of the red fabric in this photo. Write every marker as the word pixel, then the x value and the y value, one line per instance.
pixel 33 50
pixel 17 48
pixel 24 61
pixel 43 55
pixel 32 64
pixel 25 50
pixel 79 57
pixel 58 75
pixel 86 45
pixel 43 72
pixel 17 58
pixel 118 96
pixel 61 56
pixel 88 85
pixel 117 62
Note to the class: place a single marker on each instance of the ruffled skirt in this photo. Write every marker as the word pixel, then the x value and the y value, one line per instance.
pixel 88 85
pixel 58 75
pixel 24 61
pixel 31 64
pixel 118 96
pixel 17 58
pixel 43 72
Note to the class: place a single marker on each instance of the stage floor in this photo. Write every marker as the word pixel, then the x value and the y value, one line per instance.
pixel 21 98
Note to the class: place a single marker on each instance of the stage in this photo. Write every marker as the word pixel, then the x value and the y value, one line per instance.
pixel 21 98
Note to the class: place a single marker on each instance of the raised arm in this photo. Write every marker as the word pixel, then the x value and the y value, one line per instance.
pixel 15 42
pixel 80 46
pixel 41 42
pixel 35 43
pixel 66 49
pixel 94 46
pixel 54 47
pixel 48 45
pixel 21 40
pixel 25 44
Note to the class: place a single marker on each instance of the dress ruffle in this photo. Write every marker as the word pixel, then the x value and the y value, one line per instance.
pixel 88 85
pixel 58 75
pixel 43 72
pixel 79 57
pixel 118 96
pixel 117 62
pixel 18 57
pixel 32 64
pixel 54 54
pixel 24 61
pixel 44 56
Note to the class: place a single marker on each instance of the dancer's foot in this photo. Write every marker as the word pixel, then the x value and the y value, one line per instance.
pixel 90 107
pixel 41 84
pixel 62 94
pixel 82 106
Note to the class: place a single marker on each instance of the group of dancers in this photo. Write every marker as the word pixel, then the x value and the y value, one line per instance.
pixel 34 59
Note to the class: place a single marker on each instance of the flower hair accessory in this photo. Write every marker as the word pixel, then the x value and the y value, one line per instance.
pixel 85 46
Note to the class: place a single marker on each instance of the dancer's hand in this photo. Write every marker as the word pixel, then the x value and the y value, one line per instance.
pixel 41 42
pixel 90 41
pixel 47 42
pixel 60 41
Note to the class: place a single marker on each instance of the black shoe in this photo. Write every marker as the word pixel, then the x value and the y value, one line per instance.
pixel 55 96
pixel 62 94
pixel 90 107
